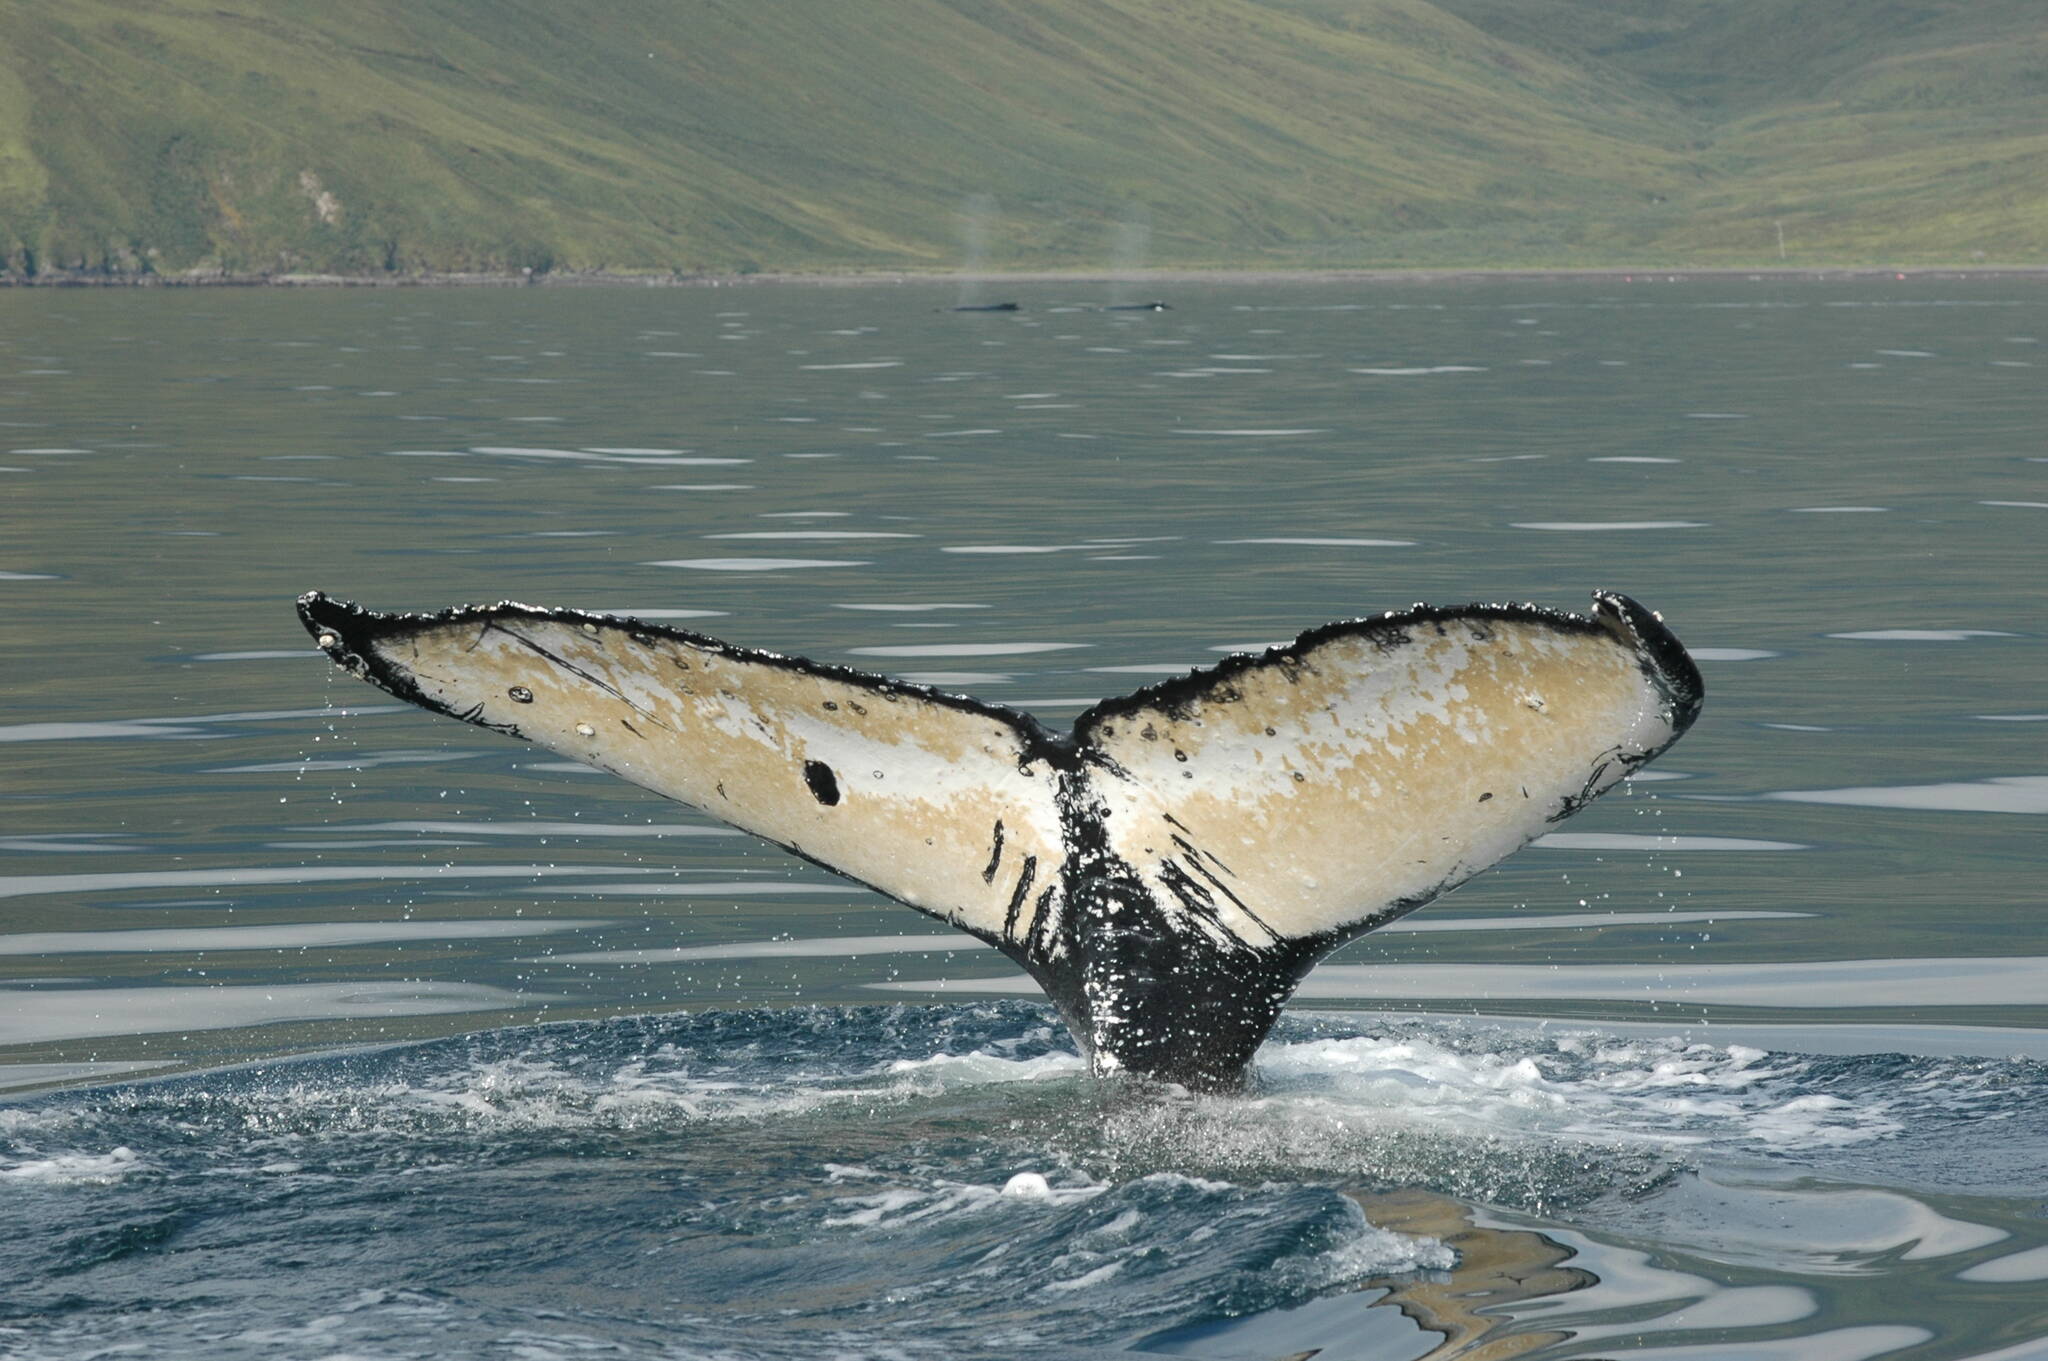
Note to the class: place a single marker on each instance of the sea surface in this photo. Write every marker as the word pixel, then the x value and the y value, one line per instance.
pixel 329 1029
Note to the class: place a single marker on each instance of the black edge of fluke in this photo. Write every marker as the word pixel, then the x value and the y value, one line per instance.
pixel 345 630
pixel 1658 651
pixel 333 624
pixel 1664 659
pixel 341 629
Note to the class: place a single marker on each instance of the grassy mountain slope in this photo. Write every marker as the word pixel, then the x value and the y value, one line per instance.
pixel 1871 129
pixel 403 135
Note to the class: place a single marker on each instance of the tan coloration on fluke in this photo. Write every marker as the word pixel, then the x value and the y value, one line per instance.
pixel 888 788
pixel 1372 771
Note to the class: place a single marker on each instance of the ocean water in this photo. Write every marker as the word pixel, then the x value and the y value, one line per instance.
pixel 329 1029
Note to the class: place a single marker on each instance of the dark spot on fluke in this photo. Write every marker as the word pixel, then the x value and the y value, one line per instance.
pixel 824 784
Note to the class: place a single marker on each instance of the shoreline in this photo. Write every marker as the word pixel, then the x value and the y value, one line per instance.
pixel 873 278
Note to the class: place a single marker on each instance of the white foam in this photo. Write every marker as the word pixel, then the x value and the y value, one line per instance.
pixel 1369 1252
pixel 1662 1092
pixel 1029 1184
pixel 982 1068
pixel 941 1199
pixel 75 1169
pixel 537 1094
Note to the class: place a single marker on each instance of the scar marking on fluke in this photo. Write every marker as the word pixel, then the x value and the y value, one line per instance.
pixel 1024 878
pixel 995 855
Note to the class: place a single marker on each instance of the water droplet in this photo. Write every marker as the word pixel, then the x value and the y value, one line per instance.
pixel 586 730
pixel 521 694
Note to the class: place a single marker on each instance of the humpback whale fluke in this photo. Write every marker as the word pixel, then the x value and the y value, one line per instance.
pixel 1169 869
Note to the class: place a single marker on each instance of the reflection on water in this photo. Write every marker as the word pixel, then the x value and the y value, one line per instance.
pixel 2005 794
pixel 40 1015
pixel 946 1182
pixel 1845 864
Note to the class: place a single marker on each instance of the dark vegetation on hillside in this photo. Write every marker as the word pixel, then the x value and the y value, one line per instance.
pixel 408 136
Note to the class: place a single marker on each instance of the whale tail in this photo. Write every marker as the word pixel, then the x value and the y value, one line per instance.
pixel 1170 868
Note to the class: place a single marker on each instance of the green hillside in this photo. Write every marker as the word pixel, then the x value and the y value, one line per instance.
pixel 256 136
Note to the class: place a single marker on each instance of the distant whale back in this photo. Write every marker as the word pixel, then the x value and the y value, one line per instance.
pixel 1169 869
